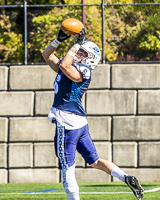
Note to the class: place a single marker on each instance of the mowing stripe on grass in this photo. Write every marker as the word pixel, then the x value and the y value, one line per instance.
pixel 64 193
pixel 45 192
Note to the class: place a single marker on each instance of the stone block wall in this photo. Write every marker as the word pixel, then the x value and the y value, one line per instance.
pixel 123 107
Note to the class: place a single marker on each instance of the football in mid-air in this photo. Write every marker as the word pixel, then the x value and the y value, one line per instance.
pixel 72 26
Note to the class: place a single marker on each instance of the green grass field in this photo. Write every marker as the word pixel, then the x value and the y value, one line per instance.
pixel 88 191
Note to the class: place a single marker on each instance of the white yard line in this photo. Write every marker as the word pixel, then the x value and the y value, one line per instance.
pixel 152 190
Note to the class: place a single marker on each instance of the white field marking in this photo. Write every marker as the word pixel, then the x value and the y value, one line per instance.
pixel 151 190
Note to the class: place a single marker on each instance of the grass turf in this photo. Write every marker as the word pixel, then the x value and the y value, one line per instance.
pixel 56 191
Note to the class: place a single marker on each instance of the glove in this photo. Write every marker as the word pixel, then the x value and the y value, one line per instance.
pixel 81 35
pixel 61 36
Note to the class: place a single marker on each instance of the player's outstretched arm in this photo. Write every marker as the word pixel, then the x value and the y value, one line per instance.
pixel 48 53
pixel 66 65
pixel 50 58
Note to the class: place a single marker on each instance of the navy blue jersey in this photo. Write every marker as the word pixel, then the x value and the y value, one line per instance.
pixel 68 94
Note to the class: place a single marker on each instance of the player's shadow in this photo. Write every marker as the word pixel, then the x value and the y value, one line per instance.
pixel 111 185
pixel 150 185
pixel 124 185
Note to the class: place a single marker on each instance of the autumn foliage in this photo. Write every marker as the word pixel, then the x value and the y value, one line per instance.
pixel 132 33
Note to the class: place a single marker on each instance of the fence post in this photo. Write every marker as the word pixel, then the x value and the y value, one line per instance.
pixel 25 31
pixel 83 12
pixel 103 37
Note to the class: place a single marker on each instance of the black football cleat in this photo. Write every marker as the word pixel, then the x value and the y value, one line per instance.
pixel 134 185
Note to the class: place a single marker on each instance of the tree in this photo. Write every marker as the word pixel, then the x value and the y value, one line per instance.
pixel 131 32
pixel 11 43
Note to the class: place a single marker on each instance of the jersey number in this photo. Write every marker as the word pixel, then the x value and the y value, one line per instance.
pixel 56 83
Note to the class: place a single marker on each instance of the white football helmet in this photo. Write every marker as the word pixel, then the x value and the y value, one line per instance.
pixel 89 54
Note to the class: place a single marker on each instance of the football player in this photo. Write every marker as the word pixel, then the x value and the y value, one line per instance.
pixel 72 81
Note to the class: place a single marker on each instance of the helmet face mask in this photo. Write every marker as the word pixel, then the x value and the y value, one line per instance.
pixel 89 54
pixel 81 54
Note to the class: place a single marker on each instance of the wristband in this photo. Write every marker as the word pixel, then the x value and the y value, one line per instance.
pixel 55 43
pixel 71 53
pixel 76 47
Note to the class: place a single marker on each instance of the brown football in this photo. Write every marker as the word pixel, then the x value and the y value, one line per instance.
pixel 71 26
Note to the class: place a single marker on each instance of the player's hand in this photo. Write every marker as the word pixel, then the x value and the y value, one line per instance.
pixel 81 36
pixel 61 36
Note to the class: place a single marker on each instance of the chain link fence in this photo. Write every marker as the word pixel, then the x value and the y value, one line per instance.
pixel 125 33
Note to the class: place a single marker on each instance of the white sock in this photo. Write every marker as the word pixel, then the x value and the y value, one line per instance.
pixel 119 173
pixel 73 196
pixel 70 184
